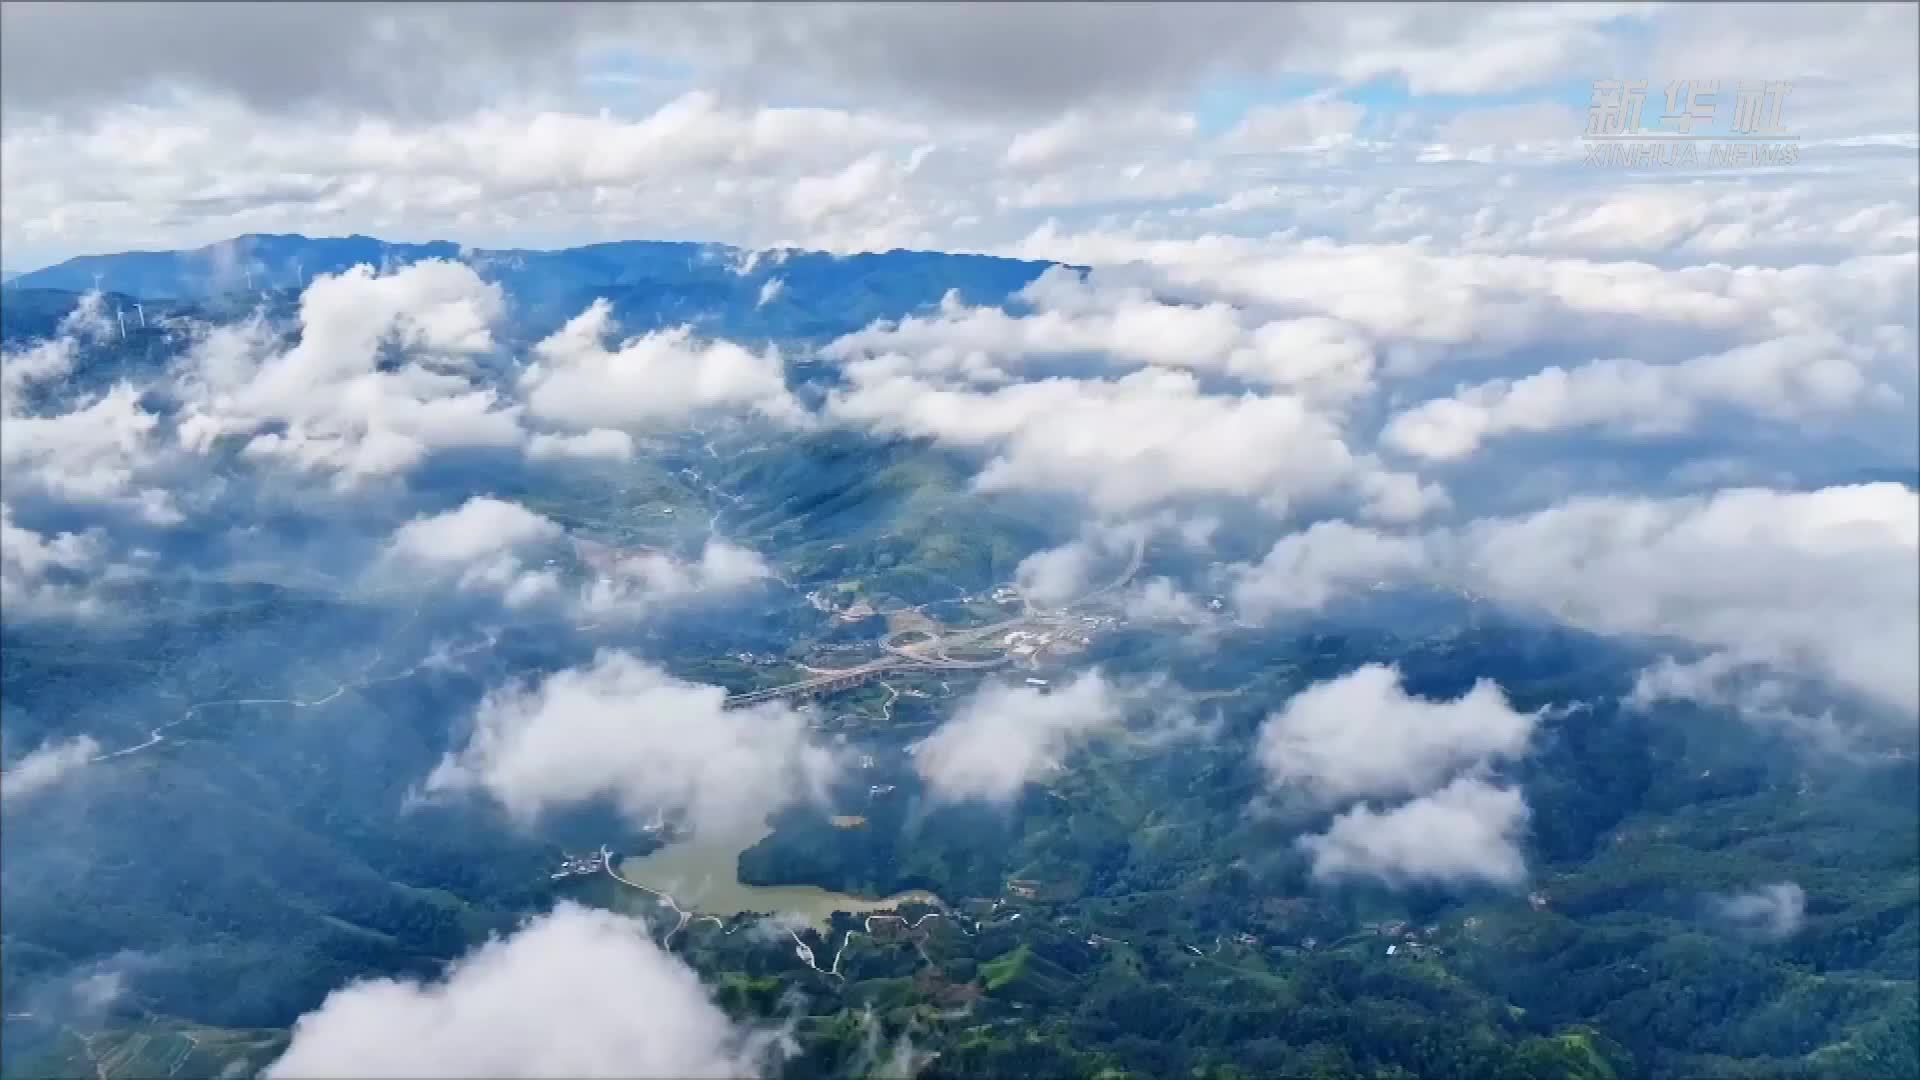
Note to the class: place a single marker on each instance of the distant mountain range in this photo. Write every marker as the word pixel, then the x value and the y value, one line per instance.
pixel 721 289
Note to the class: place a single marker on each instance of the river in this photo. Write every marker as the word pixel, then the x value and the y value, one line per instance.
pixel 702 875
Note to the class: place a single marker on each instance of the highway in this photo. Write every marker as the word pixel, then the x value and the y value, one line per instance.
pixel 931 655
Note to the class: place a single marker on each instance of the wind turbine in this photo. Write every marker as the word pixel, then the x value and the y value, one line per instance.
pixel 141 308
pixel 122 316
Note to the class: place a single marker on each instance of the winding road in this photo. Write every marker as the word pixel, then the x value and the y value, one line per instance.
pixel 159 735
pixel 932 654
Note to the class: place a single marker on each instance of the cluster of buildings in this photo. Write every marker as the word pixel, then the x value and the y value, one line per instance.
pixel 579 865
pixel 1409 939
pixel 1025 643
pixel 827 602
pixel 1071 637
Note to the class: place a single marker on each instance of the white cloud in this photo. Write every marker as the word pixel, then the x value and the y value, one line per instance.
pixel 645 382
pixel 1792 378
pixel 52 575
pixel 1539 131
pixel 1053 577
pixel 1822 584
pixel 1700 218
pixel 98 453
pixel 48 359
pixel 636 584
pixel 1005 736
pixel 1774 912
pixel 769 290
pixel 1398 497
pixel 491 545
pixel 479 527
pixel 1466 833
pixel 336 410
pixel 1305 570
pixel 1760 694
pixel 1018 60
pixel 103 451
pixel 524 137
pixel 1079 135
pixel 1160 600
pixel 574 992
pixel 46 765
pixel 625 731
pixel 202 169
pixel 1044 57
pixel 1125 444
pixel 482 544
pixel 597 443
pixel 814 199
pixel 1309 124
pixel 52 357
pixel 1126 325
pixel 1362 734
pixel 1427 300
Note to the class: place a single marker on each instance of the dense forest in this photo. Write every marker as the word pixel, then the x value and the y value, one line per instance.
pixel 260 838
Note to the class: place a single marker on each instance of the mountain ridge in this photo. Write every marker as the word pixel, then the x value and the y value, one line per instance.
pixel 791 295
pixel 279 260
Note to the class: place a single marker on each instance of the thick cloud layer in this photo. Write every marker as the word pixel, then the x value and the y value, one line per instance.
pixel 1363 734
pixel 1006 736
pixel 634 584
pixel 997 59
pixel 576 381
pixel 1125 325
pixel 479 527
pixel 1302 572
pixel 576 992
pixel 99 450
pixel 1798 378
pixel 1466 833
pixel 1821 584
pixel 45 766
pixel 329 404
pixel 50 575
pixel 482 544
pixel 1128 444
pixel 625 731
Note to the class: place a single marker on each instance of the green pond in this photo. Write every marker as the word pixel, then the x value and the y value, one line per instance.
pixel 701 874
